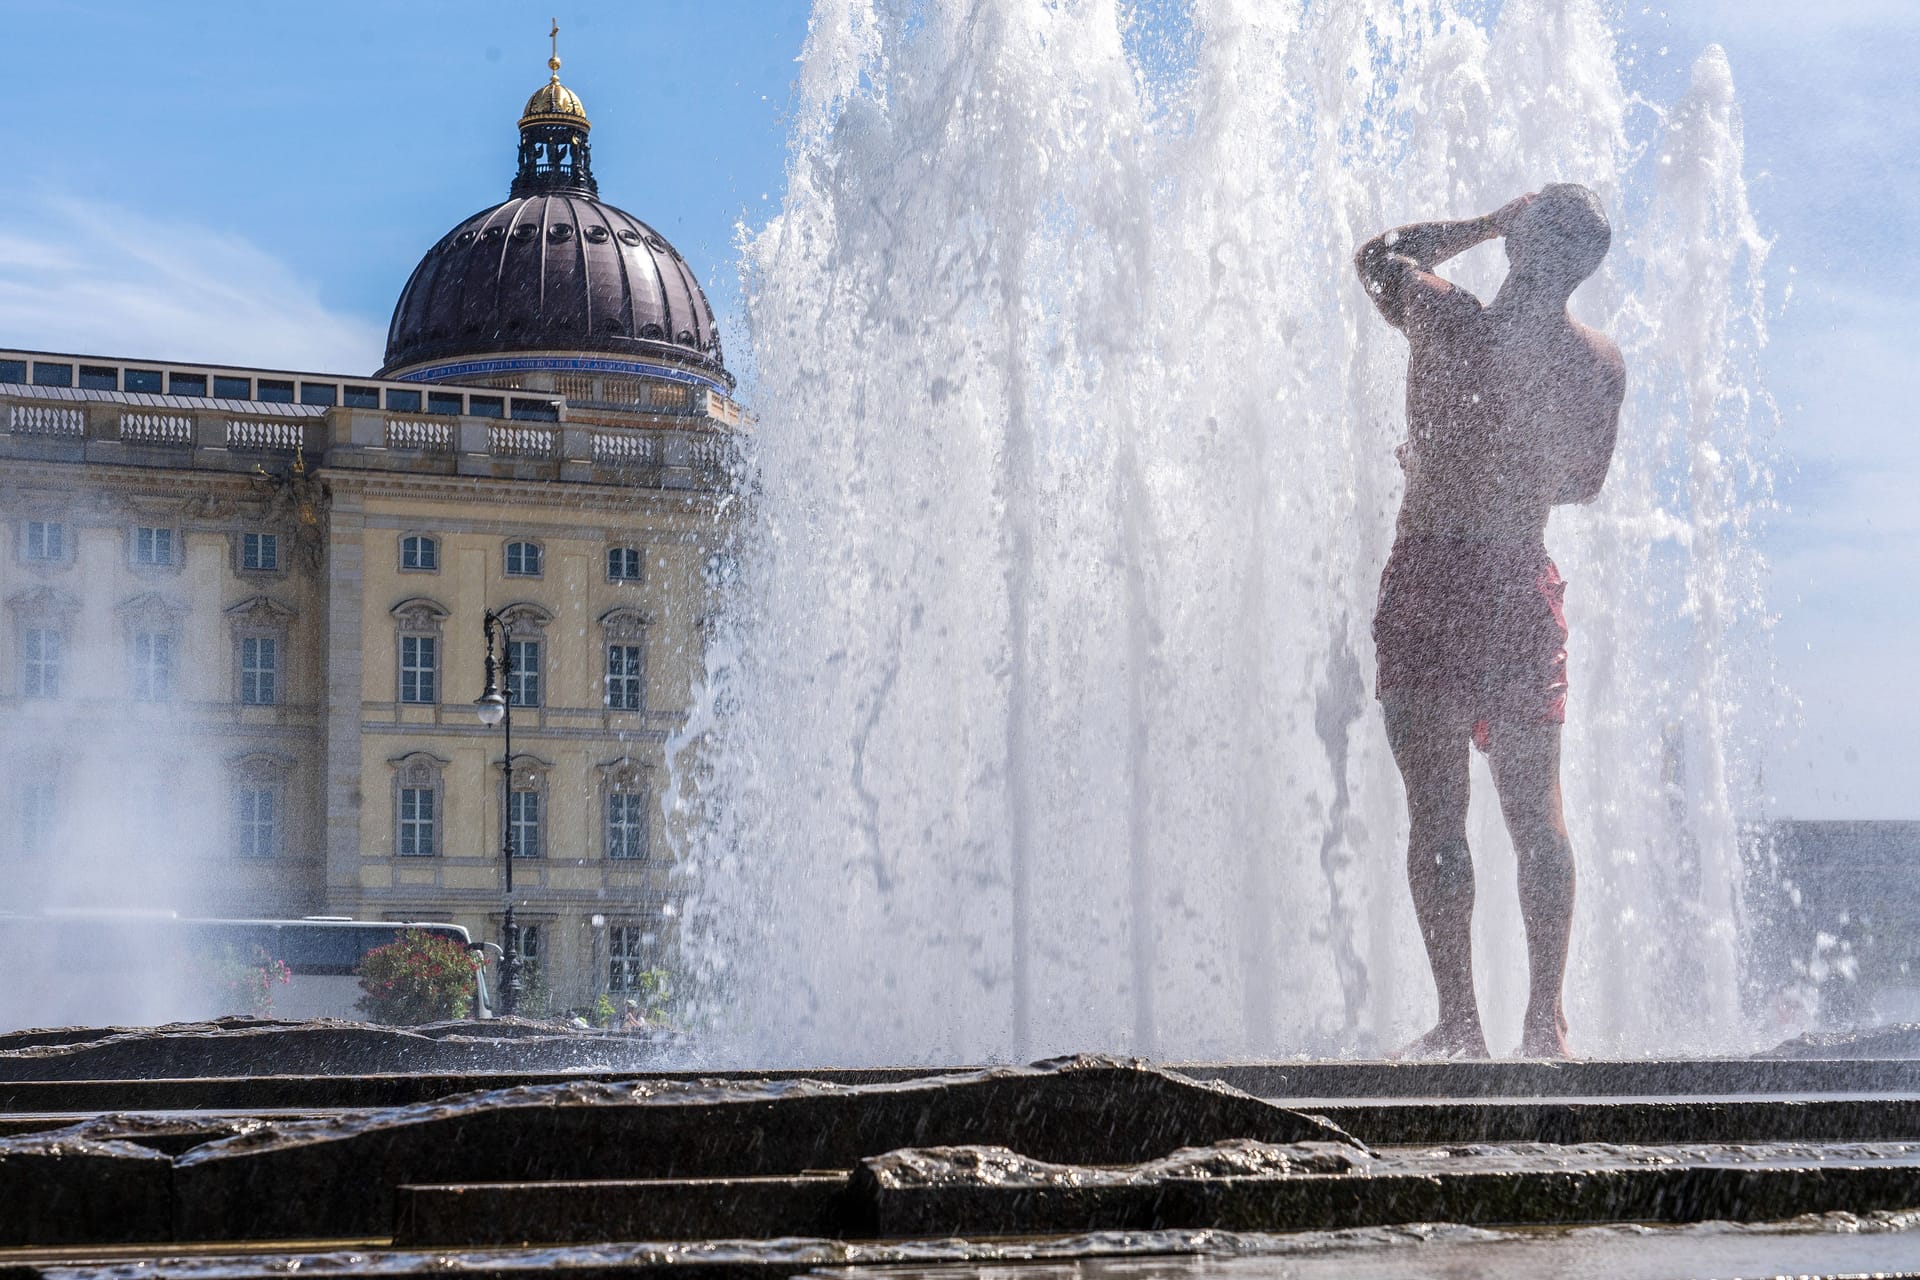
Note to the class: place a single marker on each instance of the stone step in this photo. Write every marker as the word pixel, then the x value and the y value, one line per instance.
pixel 977 1192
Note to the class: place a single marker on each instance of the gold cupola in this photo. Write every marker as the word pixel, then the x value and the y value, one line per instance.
pixel 554 155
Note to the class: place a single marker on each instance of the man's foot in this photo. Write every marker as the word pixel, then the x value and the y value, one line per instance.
pixel 1545 1037
pixel 1447 1041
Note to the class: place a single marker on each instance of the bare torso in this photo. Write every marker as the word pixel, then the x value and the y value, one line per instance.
pixel 1502 412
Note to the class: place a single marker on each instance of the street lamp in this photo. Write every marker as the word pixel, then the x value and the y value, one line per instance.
pixel 495 707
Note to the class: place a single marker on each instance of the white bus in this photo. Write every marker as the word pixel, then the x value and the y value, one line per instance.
pixel 101 968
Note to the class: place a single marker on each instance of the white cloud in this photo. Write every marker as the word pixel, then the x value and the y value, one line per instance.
pixel 82 277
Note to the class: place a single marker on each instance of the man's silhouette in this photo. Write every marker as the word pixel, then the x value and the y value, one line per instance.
pixel 1512 407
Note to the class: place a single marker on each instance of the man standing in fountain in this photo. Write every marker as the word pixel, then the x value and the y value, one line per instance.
pixel 1512 407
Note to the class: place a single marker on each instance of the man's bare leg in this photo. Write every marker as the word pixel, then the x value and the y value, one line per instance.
pixel 1526 771
pixel 1429 741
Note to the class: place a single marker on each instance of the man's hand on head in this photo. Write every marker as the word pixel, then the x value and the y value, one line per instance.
pixel 1504 218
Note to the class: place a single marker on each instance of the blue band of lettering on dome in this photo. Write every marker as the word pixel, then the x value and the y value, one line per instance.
pixel 454 371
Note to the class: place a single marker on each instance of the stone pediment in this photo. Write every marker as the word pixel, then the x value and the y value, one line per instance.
pixel 419 614
pixel 624 623
pixel 260 612
pixel 625 774
pixel 417 768
pixel 43 602
pixel 151 610
pixel 524 617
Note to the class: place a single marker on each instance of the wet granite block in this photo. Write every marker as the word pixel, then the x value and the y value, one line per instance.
pixel 512 1213
pixel 971 1192
pixel 338 1177
pixel 1638 1121
pixel 69 1190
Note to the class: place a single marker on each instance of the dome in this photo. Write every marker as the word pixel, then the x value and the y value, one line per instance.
pixel 554 270
pixel 553 101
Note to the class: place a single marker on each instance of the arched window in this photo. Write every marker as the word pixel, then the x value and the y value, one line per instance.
pixel 258 828
pixel 42 620
pixel 418 811
pixel 626 670
pixel 152 624
pixel 623 564
pixel 259 628
pixel 626 793
pixel 419 553
pixel 523 559
pixel 525 807
pixel 417 639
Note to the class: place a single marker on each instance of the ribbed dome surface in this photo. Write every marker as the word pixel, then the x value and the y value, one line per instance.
pixel 554 272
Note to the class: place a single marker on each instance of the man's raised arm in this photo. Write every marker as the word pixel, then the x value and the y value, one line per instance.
pixel 1396 266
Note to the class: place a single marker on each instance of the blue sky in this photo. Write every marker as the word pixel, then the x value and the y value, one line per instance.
pixel 253 182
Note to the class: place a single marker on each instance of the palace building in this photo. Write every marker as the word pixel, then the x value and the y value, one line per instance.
pixel 243 608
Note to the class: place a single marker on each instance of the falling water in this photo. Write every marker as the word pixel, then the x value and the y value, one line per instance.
pixel 1040 718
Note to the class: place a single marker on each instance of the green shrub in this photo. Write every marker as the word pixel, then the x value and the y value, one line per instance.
pixel 420 977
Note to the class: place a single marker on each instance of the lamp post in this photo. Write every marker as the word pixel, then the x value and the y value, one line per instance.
pixel 496 707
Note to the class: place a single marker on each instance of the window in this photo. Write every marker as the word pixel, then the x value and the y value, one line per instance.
pixel 52 375
pixel 419 554
pixel 417 804
pixel 361 397
pixel 147 380
pixel 260 552
pixel 259 670
pixel 629 956
pixel 623 564
pixel 626 677
pixel 626 825
pixel 276 391
pixel 416 833
pixel 441 402
pixel 535 410
pixel 318 393
pixel 45 540
pixel 419 667
pixel 228 387
pixel 95 377
pixel 14 371
pixel 37 815
pixel 152 545
pixel 152 666
pixel 527 936
pixel 523 560
pixel 523 822
pixel 187 384
pixel 256 820
pixel 523 679
pixel 403 401
pixel 40 654
pixel 486 406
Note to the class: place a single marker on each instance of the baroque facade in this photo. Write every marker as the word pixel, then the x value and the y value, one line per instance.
pixel 244 606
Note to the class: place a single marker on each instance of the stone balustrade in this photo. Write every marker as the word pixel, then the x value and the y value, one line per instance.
pixel 57 424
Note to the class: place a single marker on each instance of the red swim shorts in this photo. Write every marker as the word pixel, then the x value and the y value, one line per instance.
pixel 1480 624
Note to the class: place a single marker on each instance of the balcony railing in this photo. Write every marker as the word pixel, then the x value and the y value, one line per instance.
pixel 47 420
pixel 243 433
pixel 156 428
pixel 625 449
pixel 145 429
pixel 520 442
pixel 428 435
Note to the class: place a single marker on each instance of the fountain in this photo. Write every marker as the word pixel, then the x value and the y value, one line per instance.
pixel 1041 716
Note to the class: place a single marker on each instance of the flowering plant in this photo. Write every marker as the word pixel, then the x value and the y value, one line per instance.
pixel 247 985
pixel 420 977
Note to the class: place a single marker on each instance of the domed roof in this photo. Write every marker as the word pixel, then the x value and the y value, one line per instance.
pixel 554 101
pixel 554 270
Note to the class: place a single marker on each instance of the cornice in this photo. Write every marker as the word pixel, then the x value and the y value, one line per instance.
pixel 573 495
